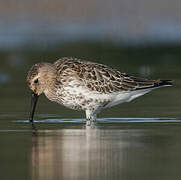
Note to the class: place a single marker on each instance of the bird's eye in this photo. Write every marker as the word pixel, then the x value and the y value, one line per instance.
pixel 36 81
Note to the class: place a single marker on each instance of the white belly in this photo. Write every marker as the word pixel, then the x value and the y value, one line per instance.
pixel 79 97
pixel 121 97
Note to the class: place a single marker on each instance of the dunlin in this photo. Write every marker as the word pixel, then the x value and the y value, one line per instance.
pixel 87 86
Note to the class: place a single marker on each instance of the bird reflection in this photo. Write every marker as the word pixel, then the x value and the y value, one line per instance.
pixel 76 154
pixel 97 154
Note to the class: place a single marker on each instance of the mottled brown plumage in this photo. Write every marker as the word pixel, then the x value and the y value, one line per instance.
pixel 84 85
pixel 101 78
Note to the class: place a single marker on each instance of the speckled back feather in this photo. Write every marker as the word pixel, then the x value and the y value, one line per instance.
pixel 99 77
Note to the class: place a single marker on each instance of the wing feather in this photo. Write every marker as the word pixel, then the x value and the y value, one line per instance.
pixel 101 78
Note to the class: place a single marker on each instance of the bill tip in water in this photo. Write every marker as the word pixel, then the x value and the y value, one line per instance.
pixel 34 129
pixel 34 99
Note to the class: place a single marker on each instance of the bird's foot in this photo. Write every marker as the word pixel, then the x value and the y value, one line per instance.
pixel 90 123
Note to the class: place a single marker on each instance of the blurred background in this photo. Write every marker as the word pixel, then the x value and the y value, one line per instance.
pixel 139 37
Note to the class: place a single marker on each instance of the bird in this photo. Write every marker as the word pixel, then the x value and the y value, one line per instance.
pixel 84 85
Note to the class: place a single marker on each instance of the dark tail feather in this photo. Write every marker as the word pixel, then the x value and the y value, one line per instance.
pixel 153 84
pixel 163 83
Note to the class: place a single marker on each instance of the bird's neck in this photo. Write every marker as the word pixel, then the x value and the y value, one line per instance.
pixel 49 77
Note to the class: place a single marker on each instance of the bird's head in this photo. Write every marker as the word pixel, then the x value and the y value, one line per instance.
pixel 39 79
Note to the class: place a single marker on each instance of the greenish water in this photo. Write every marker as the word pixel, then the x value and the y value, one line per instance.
pixel 136 140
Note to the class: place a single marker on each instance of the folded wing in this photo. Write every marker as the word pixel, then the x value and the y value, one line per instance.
pixel 103 79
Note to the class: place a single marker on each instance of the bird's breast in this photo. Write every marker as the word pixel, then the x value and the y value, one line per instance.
pixel 79 97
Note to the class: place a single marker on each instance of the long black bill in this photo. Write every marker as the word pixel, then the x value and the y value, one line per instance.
pixel 34 99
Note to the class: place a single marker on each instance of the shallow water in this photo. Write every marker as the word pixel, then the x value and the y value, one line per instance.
pixel 135 148
pixel 136 140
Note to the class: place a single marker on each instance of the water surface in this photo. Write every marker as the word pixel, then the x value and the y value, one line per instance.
pixel 137 140
pixel 134 150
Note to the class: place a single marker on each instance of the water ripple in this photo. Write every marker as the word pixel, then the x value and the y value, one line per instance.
pixel 108 120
